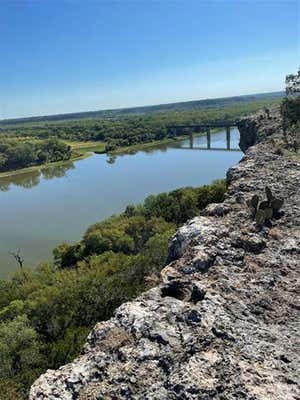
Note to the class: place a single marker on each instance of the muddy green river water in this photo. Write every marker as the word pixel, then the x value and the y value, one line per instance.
pixel 40 209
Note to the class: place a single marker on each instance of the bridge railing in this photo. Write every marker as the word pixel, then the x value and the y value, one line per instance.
pixel 222 124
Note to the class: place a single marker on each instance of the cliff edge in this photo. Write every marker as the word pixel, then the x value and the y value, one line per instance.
pixel 223 322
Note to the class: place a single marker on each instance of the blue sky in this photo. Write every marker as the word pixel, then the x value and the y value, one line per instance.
pixel 67 56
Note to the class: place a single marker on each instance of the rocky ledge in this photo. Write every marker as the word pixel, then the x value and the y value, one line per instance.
pixel 223 322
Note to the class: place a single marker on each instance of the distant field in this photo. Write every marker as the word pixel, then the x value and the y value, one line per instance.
pixel 145 110
pixel 36 141
pixel 86 146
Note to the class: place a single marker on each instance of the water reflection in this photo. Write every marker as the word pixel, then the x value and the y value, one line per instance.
pixel 151 148
pixel 111 159
pixel 57 171
pixel 59 210
pixel 28 180
pixel 218 141
pixel 198 141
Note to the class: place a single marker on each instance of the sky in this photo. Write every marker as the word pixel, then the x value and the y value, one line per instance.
pixel 70 55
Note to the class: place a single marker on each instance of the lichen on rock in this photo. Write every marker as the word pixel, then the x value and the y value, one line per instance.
pixel 223 322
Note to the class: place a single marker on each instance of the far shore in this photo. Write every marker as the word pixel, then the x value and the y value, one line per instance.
pixel 84 150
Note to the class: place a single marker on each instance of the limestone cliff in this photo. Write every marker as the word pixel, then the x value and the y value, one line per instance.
pixel 223 322
pixel 292 82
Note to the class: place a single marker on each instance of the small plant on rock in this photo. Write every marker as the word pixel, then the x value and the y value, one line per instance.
pixel 264 211
pixel 267 112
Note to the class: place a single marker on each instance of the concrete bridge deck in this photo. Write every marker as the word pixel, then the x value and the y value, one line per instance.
pixel 193 128
pixel 221 124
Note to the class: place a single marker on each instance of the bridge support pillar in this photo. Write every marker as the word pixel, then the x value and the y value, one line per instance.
pixel 191 137
pixel 208 138
pixel 228 137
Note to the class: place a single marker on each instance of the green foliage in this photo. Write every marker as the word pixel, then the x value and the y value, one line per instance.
pixel 66 255
pixel 263 211
pixel 110 146
pixel 10 389
pixel 197 105
pixel 12 310
pixel 35 141
pixel 67 347
pixel 16 154
pixel 19 346
pixel 181 204
pixel 130 129
pixel 290 110
pixel 294 133
pixel 46 313
pixel 21 359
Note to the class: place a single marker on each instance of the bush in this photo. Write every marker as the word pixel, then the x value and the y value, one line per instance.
pixel 46 314
pixel 290 111
pixel 16 154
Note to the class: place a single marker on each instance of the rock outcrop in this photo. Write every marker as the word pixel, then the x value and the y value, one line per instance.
pixel 223 322
pixel 293 84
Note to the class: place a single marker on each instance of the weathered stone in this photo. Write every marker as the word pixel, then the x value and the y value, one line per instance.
pixel 250 242
pixel 224 321
pixel 217 209
pixel 293 84
pixel 198 229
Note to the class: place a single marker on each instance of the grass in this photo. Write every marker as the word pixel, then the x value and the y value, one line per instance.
pixel 87 146
pixel 41 166
pixel 80 150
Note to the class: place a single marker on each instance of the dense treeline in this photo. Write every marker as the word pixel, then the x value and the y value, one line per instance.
pixel 28 144
pixel 16 154
pixel 146 110
pixel 46 314
pixel 129 232
pixel 128 130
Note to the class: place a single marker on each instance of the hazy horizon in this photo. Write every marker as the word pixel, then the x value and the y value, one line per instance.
pixel 65 57
pixel 137 106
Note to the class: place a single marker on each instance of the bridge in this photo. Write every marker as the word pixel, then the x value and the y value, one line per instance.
pixel 206 128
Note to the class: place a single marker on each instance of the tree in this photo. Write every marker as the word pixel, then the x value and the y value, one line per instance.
pixel 19 347
pixel 17 256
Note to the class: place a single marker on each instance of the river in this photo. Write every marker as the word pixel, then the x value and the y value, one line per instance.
pixel 41 209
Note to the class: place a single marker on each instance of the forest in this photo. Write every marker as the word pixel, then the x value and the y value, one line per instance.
pixel 146 110
pixel 15 154
pixel 27 144
pixel 46 313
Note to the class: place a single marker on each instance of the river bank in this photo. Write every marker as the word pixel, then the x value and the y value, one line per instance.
pixel 80 151
pixel 226 278
pixel 85 149
pixel 59 201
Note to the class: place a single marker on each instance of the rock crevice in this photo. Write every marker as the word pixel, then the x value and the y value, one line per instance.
pixel 223 322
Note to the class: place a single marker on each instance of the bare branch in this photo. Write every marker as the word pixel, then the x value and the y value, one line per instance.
pixel 17 256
